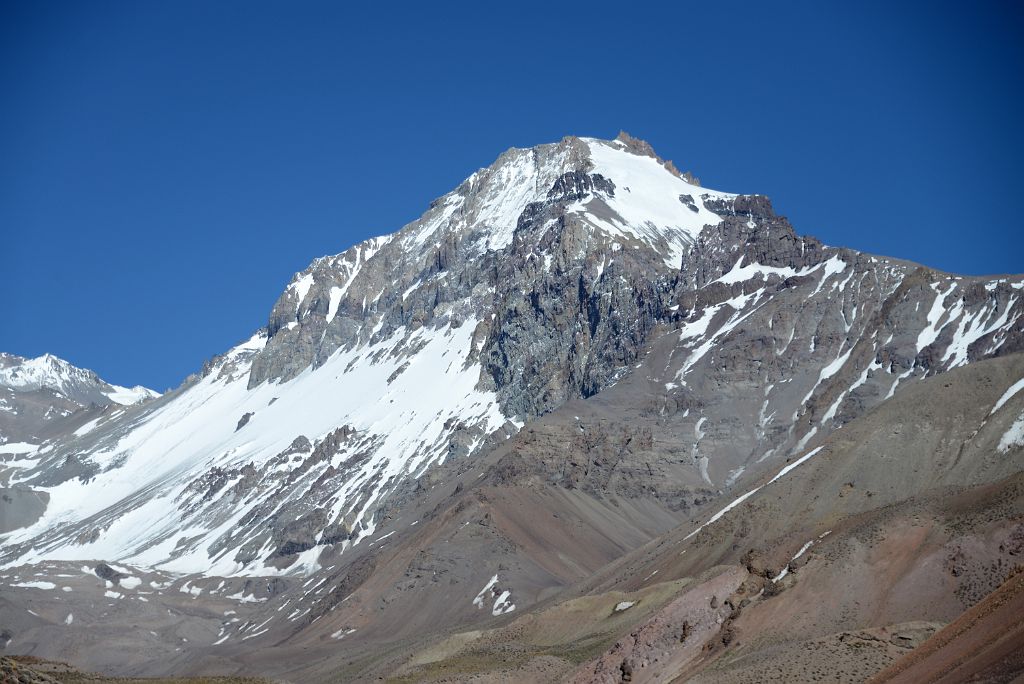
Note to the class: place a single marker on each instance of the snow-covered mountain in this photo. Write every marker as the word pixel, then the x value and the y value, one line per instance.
pixel 39 396
pixel 539 279
pixel 48 372
pixel 670 343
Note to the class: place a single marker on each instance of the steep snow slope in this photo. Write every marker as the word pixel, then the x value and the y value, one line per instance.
pixel 378 392
pixel 650 204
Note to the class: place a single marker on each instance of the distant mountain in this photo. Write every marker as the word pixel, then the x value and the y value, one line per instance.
pixel 543 387
pixel 38 395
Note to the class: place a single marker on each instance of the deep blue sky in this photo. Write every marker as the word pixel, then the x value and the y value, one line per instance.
pixel 166 166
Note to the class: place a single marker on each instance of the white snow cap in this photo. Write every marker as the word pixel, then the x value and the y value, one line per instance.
pixel 649 200
pixel 651 203
pixel 54 373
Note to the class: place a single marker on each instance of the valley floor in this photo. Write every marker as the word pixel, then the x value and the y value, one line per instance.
pixel 31 670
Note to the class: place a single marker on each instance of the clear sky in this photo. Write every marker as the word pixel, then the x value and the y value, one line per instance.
pixel 166 166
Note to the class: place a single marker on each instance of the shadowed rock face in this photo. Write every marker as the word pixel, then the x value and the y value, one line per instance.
pixel 574 353
pixel 442 264
pixel 105 572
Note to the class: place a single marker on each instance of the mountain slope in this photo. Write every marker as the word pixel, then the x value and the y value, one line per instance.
pixel 578 349
pixel 46 397
pixel 392 316
pixel 829 568
pixel 984 644
pixel 538 280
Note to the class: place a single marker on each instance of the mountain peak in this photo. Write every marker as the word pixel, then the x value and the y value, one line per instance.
pixel 50 372
pixel 652 193
pixel 642 147
pixel 612 195
pixel 636 145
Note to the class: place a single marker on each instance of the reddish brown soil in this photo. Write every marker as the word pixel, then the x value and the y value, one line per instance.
pixel 985 644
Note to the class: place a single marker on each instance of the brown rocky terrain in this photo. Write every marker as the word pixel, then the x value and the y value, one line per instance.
pixel 29 670
pixel 892 562
pixel 985 644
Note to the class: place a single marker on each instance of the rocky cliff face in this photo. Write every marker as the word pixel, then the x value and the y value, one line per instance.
pixel 522 247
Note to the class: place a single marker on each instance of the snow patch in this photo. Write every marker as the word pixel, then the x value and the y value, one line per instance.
pixel 741 274
pixel 127 396
pixel 503 604
pixel 301 287
pixel 740 499
pixel 1014 437
pixel 931 331
pixel 479 600
pixel 650 209
pixel 130 582
pixel 18 448
pixel 36 585
pixel 342 633
pixel 1007 395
